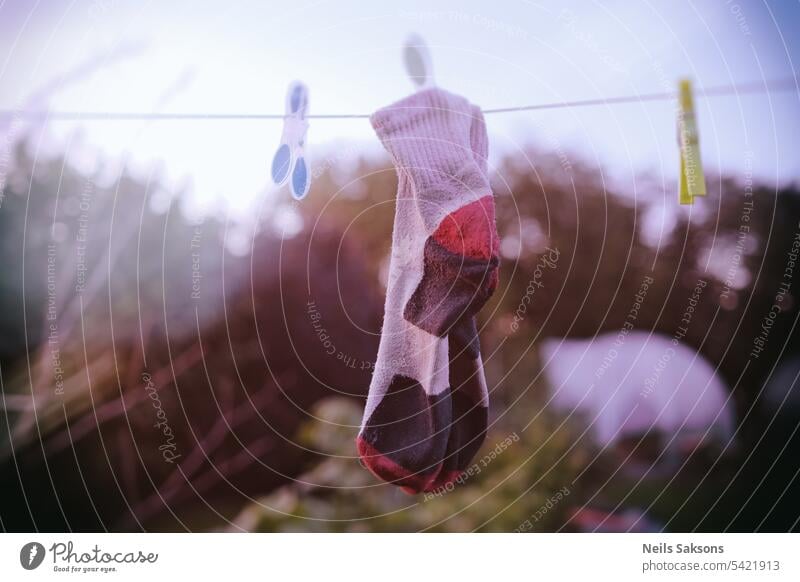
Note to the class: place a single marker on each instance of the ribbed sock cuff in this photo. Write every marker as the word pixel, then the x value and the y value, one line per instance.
pixel 428 135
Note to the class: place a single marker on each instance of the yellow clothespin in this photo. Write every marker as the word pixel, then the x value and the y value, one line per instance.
pixel 692 182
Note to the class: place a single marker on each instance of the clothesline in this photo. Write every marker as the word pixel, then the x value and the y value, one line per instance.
pixel 778 85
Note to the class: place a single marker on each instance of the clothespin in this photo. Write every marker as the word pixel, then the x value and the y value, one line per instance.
pixel 419 64
pixel 692 181
pixel 290 158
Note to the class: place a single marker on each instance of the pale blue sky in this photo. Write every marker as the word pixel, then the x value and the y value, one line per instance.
pixel 239 57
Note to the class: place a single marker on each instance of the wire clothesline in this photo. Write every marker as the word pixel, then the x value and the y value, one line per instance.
pixel 787 84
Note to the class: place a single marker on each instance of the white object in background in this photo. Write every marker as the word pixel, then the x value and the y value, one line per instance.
pixel 290 158
pixel 419 64
pixel 646 381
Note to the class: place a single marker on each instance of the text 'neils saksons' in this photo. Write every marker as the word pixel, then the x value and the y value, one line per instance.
pixel 664 548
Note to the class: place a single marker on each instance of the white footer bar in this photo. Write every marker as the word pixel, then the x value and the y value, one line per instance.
pixel 400 557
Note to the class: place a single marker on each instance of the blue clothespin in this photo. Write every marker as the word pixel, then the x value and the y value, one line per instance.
pixel 419 64
pixel 290 159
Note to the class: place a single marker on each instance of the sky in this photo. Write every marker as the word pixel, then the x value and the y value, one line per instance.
pixel 238 57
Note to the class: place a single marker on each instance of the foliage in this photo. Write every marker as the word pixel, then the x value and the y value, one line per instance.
pixel 511 480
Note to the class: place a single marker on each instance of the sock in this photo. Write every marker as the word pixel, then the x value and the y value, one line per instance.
pixel 442 271
pixel 469 393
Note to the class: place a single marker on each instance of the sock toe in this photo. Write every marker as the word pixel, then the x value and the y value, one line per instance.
pixel 388 470
pixel 405 438
pixel 467 434
pixel 470 415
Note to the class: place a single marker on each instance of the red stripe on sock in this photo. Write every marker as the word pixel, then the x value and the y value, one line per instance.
pixel 384 468
pixel 470 230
